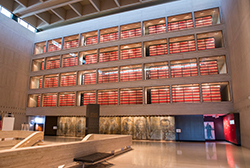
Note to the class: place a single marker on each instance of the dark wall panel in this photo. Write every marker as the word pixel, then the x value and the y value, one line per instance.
pixel 191 126
pixel 50 121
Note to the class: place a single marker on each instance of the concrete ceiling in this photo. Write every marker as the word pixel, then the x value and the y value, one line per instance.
pixel 45 14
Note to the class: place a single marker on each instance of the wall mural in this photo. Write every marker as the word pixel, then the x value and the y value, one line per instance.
pixel 71 126
pixel 155 128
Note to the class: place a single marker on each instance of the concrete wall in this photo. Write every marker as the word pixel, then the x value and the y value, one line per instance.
pixel 15 54
pixel 236 15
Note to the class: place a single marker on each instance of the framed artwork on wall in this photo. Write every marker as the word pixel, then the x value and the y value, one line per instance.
pixel 209 130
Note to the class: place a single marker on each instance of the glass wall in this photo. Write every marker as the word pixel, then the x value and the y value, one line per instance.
pixel 189 93
pixel 154 26
pixel 182 44
pixel 180 22
pixel 184 68
pixel 89 38
pixel 110 34
pixel 213 65
pixel 210 40
pixel 131 30
pixel 131 96
pixel 157 95
pixel 53 62
pixel 108 75
pixel 108 97
pixel 71 41
pixel 51 81
pixel 55 44
pixel 130 73
pixel 70 59
pixel 207 17
pixel 86 97
pixel 131 51
pixel 68 79
pixel 87 77
pixel 36 82
pixel 67 99
pixel 40 48
pixel 157 70
pixel 108 54
pixel 49 100
pixel 215 92
pixel 88 57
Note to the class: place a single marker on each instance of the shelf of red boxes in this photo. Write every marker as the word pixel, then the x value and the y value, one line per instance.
pixel 211 93
pixel 180 25
pixel 160 95
pixel 157 72
pixel 40 83
pixel 131 33
pixel 108 37
pixel 87 98
pixel 42 65
pixel 71 61
pixel 131 53
pixel 209 67
pixel 131 97
pixel 91 40
pixel 184 70
pixel 68 80
pixel 49 100
pixel 183 46
pixel 108 56
pixel 107 98
pixel 91 58
pixel 67 100
pixel 206 43
pixel 38 101
pixel 154 29
pixel 132 74
pixel 53 64
pixel 203 21
pixel 186 94
pixel 51 82
pixel 159 49
pixel 89 78
pixel 71 44
pixel 108 76
pixel 53 47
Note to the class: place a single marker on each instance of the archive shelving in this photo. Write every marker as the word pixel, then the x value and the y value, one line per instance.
pixel 187 94
pixel 183 68
pixel 206 43
pixel 157 70
pixel 40 48
pixel 71 41
pixel 109 37
pixel 158 49
pixel 182 46
pixel 51 81
pixel 49 100
pixel 157 95
pixel 207 17
pixel 209 67
pixel 91 40
pixel 108 75
pixel 131 96
pixel 131 73
pixel 203 21
pixel 211 93
pixel 155 29
pixel 69 60
pixel 88 77
pixel 67 99
pixel 87 98
pixel 180 25
pixel 53 62
pixel 108 56
pixel 107 97
pixel 130 33
pixel 38 101
pixel 131 53
pixel 68 80
pixel 54 45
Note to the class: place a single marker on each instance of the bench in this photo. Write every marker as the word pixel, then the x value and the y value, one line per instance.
pixel 94 158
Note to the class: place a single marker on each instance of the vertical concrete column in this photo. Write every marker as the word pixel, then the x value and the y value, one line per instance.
pixel 79 39
pixel 62 43
pixel 119 52
pixel 118 96
pixel 57 100
pixel 97 55
pixel 142 29
pixel 75 98
pixel 166 20
pixel 43 80
pixel 143 72
pixel 170 94
pixel 142 49
pixel 193 17
pixel 61 61
pixel 46 47
pixel 169 69
pixel 198 66
pixel 77 73
pixel 96 96
pixel 59 79
pixel 168 45
pixel 200 92
pixel 40 104
pixel 119 71
pixel 97 75
pixel 98 36
pixel 78 58
pixel 119 32
pixel 196 44
pixel 143 95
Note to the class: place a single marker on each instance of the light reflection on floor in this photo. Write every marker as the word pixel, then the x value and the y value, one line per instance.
pixel 155 154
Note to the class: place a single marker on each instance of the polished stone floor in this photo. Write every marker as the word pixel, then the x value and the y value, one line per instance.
pixel 155 154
